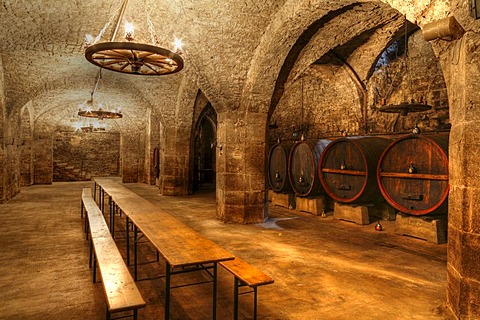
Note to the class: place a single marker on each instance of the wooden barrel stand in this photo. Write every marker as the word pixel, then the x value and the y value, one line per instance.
pixel 412 174
pixel 347 172
pixel 302 171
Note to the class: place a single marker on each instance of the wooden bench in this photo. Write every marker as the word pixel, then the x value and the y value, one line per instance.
pixel 245 275
pixel 183 249
pixel 120 290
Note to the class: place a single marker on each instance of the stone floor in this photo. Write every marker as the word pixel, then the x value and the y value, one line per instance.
pixel 323 268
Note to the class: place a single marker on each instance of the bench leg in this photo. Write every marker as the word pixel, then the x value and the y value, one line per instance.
pixel 235 298
pixel 236 285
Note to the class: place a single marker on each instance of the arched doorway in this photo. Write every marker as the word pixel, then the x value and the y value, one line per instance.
pixel 205 159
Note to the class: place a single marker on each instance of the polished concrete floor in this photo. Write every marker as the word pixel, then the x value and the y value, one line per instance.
pixel 323 268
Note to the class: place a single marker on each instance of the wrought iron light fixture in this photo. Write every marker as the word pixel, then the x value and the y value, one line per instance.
pixel 132 57
pixel 98 113
pixel 91 127
pixel 87 109
pixel 406 107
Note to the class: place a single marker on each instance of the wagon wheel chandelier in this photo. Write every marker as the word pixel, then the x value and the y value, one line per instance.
pixel 87 109
pixel 99 113
pixel 133 57
pixel 406 107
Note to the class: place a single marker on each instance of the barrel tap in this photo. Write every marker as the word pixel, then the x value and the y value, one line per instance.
pixel 277 176
pixel 411 168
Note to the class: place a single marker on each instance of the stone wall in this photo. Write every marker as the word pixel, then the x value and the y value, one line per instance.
pixel 424 79
pixel 322 102
pixel 43 159
pixel 325 100
pixel 132 156
pixel 96 153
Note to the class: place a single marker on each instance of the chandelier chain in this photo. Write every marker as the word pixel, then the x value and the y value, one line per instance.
pixel 95 85
pixel 107 25
pixel 151 27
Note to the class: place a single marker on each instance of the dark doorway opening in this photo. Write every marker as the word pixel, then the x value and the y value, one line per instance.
pixel 205 161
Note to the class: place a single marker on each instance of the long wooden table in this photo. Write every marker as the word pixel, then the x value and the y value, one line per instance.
pixel 183 249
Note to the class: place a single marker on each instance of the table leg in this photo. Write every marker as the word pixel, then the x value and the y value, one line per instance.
pixel 255 303
pixel 102 201
pixel 87 227
pixel 128 239
pixel 112 217
pixel 81 209
pixel 94 268
pixel 167 291
pixel 214 291
pixel 135 235
pixel 90 260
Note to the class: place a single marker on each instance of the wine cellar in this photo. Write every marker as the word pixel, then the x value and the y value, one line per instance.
pixel 224 159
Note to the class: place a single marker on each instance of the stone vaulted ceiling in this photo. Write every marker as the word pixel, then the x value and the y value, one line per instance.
pixel 42 55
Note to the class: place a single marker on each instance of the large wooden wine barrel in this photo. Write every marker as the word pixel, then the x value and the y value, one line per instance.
pixel 302 167
pixel 348 169
pixel 277 167
pixel 412 174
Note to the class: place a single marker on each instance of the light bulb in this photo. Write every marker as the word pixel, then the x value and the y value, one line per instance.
pixel 178 44
pixel 129 31
pixel 88 40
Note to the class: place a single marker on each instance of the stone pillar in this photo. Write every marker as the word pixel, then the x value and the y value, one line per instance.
pixel 2 134
pixel 9 158
pixel 175 133
pixel 463 266
pixel 174 161
pixel 241 194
